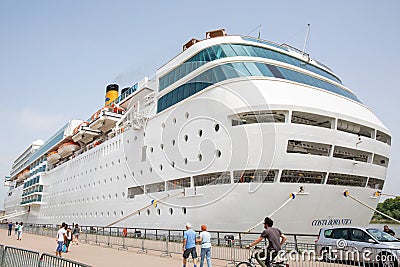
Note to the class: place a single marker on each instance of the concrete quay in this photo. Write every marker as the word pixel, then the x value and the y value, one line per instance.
pixel 96 256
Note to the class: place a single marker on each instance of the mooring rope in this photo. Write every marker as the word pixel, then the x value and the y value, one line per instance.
pixel 347 194
pixel 292 196
pixel 139 210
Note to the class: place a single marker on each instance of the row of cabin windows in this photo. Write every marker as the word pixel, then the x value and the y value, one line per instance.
pixel 259 176
pixel 233 50
pixel 310 119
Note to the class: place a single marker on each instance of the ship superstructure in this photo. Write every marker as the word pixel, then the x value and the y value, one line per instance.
pixel 222 134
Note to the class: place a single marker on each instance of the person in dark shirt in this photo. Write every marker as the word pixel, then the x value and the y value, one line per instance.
pixel 275 240
pixel 10 226
pixel 387 230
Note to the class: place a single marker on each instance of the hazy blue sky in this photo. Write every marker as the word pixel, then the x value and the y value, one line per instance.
pixel 56 57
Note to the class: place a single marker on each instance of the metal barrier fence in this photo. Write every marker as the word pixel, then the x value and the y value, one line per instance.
pixel 17 257
pixel 227 246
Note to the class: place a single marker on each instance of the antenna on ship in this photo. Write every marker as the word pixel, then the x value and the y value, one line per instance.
pixel 306 40
pixel 259 32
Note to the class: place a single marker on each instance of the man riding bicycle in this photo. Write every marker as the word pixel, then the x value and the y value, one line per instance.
pixel 275 240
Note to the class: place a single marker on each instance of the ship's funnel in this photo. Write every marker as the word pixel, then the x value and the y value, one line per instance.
pixel 111 93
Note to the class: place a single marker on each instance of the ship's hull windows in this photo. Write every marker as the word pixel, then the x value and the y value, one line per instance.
pixel 243 69
pixel 346 180
pixel 303 177
pixel 312 119
pixel 375 183
pixel 352 154
pixel 310 148
pixel 262 116
pixel 255 176
pixel 212 179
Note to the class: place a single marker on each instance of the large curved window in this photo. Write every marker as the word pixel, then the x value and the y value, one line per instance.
pixel 233 50
pixel 243 69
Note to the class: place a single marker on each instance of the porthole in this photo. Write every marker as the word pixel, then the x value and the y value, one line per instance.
pixel 116 195
pixel 200 157
pixel 109 196
pixel 110 179
pixel 161 167
pixel 141 172
pixel 187 115
pixel 123 194
pixel 216 127
pixel 158 211
pixel 171 211
pixel 151 149
pixel 162 125
pixel 184 211
pixel 186 138
pixel 148 212
pixel 162 146
pixel 115 213
pixel 218 153
pixel 122 213
pixel 173 164
pixel 174 120
pixel 112 163
pixel 135 138
pixel 150 169
pixel 144 134
pixel 173 142
pixel 200 133
pixel 127 141
pixel 185 161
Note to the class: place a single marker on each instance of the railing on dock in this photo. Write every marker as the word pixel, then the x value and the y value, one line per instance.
pixel 18 257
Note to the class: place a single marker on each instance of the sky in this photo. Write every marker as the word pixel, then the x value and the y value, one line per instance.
pixel 56 57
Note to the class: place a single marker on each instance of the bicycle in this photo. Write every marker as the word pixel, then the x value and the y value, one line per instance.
pixel 255 255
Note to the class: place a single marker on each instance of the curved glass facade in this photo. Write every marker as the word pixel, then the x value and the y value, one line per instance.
pixel 234 50
pixel 243 69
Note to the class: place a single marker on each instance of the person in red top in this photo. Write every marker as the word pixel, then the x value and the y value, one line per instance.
pixel 275 240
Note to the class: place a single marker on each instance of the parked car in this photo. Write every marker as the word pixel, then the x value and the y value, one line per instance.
pixel 367 245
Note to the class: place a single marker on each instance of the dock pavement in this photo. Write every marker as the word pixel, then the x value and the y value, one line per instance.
pixel 96 256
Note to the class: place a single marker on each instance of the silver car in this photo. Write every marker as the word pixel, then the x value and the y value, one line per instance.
pixel 366 245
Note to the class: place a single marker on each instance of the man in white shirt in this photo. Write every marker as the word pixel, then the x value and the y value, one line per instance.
pixel 61 235
pixel 205 240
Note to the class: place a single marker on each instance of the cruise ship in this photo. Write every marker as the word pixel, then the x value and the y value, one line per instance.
pixel 229 131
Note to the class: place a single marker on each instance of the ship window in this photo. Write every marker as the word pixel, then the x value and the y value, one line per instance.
pixel 312 119
pixel 212 179
pixel 171 211
pixel 303 147
pixel 384 138
pixel 178 183
pixel 262 116
pixel 380 160
pixel 346 180
pixel 351 154
pixel 156 187
pixel 299 176
pixel 375 183
pixel 254 176
pixel 134 191
pixel 355 128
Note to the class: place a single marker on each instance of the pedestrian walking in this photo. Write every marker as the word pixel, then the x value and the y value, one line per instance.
pixel 16 228
pixel 189 245
pixel 19 233
pixel 60 239
pixel 76 232
pixel 68 238
pixel 205 241
pixel 10 226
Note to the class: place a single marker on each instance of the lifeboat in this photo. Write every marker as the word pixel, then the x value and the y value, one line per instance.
pixel 84 134
pixel 67 149
pixel 25 174
pixel 106 118
pixel 53 157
